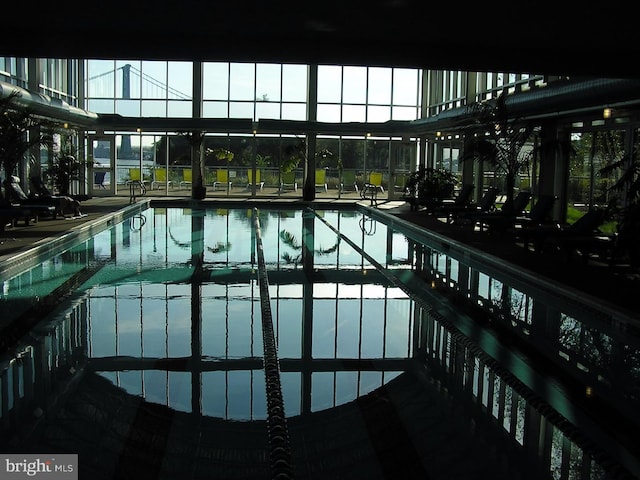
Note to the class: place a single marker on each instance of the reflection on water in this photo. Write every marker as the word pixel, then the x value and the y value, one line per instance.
pixel 167 307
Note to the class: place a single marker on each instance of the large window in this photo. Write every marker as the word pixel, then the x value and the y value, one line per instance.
pixel 256 91
pixel 367 94
pixel 139 88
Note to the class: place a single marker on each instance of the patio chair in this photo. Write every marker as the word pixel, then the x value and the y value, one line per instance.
pixel 375 181
pixel 400 184
pixel 289 181
pixel 160 179
pixel 258 181
pixel 348 181
pixel 38 206
pixel 222 179
pixel 321 178
pixel 186 178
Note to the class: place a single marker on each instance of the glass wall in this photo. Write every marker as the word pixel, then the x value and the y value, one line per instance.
pixel 134 88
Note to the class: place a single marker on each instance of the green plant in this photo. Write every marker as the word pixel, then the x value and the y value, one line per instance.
pixel 431 183
pixel 624 204
pixel 20 132
pixel 65 165
pixel 221 154
pixel 506 143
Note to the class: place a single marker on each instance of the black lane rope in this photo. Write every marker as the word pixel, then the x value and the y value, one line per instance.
pixel 279 442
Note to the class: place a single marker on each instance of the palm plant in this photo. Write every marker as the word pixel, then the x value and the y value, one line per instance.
pixel 500 141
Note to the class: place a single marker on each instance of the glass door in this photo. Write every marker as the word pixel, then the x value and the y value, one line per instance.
pixel 102 170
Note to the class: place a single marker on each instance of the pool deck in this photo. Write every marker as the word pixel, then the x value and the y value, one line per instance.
pixel 617 285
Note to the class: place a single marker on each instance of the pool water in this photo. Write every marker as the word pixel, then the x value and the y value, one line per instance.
pixel 166 307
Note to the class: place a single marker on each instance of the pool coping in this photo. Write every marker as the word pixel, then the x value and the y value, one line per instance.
pixel 514 274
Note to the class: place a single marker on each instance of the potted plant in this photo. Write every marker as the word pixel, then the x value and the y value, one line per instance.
pixel 429 186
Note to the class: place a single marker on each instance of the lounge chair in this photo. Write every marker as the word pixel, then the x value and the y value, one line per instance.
pixel 288 181
pixel 186 178
pixel 582 236
pixel 457 214
pixel 222 179
pixel 258 182
pixel 400 184
pixel 500 218
pixel 371 187
pixel 10 215
pixel 348 181
pixel 321 179
pixel 65 204
pixel 39 189
pixel 38 206
pixel 160 179
pixel 460 202
pixel 539 215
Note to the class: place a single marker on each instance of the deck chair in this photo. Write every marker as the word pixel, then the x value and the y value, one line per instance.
pixel 45 207
pixel 160 179
pixel 65 204
pixel 9 216
pixel 540 213
pixel 288 180
pixel 460 201
pixel 399 186
pixel 464 212
pixel 222 179
pixel 583 235
pixel 136 180
pixel 499 218
pixel 321 178
pixel 250 182
pixel 348 181
pixel 186 178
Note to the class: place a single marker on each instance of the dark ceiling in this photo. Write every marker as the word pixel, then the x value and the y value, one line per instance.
pixel 529 39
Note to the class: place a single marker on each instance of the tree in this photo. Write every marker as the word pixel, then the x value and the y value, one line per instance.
pixel 196 141
pixel 20 132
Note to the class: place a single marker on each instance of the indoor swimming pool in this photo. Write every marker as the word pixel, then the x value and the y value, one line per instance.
pixel 147 347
